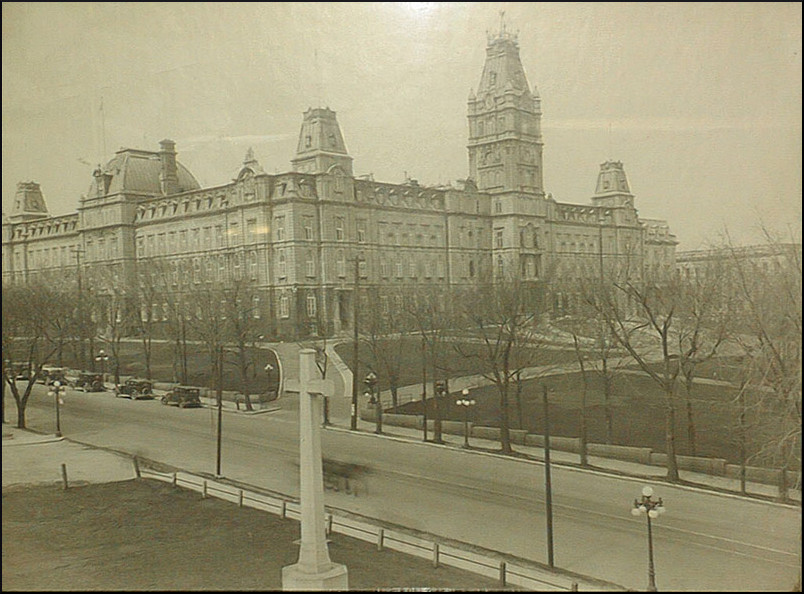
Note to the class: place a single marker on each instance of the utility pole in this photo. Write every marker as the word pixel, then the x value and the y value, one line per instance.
pixel 82 350
pixel 355 351
pixel 220 408
pixel 548 487
pixel 424 388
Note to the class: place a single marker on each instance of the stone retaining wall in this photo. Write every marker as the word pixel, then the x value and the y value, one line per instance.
pixel 640 455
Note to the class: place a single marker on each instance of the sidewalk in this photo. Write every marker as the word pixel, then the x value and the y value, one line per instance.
pixel 31 458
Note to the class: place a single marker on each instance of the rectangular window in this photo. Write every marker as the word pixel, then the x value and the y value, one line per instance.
pixel 340 265
pixel 280 228
pixel 399 269
pixel 339 223
pixel 251 230
pixel 236 261
pixel 197 239
pixel 311 306
pixel 183 240
pixel 498 238
pixel 234 232
pixel 361 230
pixel 282 267
pixel 140 247
pixel 307 223
pixel 362 268
pixel 310 266
pixel 384 269
pixel 253 264
pixel 284 306
pixel 255 307
pixel 440 268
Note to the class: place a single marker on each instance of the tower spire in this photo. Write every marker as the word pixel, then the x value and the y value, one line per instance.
pixel 505 144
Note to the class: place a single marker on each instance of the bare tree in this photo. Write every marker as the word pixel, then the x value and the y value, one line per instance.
pixel 154 297
pixel 701 328
pixel 383 324
pixel 647 336
pixel 503 313
pixel 238 306
pixel 427 308
pixel 26 336
pixel 770 317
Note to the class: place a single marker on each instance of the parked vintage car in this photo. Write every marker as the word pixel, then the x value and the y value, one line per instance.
pixel 89 382
pixel 183 397
pixel 136 389
pixel 19 370
pixel 51 374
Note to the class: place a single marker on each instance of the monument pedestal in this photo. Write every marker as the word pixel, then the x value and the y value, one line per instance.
pixel 335 578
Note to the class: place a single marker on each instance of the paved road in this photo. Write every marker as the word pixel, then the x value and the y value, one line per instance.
pixel 704 542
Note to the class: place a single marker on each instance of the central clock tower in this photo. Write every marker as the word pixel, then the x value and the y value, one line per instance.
pixel 505 138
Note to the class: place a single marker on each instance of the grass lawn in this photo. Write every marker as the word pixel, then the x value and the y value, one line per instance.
pixel 407 357
pixel 638 413
pixel 146 535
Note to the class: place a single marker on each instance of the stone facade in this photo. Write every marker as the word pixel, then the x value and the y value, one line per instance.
pixel 305 238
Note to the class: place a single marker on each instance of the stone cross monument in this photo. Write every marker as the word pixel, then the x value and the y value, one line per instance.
pixel 314 570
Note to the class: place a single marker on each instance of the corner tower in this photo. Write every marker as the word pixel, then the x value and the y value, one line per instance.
pixel 29 203
pixel 505 137
pixel 321 144
pixel 612 186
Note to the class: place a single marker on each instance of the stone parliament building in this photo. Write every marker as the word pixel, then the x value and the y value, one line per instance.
pixel 305 239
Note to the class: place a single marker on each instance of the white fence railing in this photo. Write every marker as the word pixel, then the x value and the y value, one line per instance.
pixel 507 569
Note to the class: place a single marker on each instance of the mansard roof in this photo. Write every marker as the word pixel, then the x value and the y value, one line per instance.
pixel 137 171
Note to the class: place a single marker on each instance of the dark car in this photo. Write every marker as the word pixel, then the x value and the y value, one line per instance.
pixel 90 382
pixel 183 397
pixel 136 389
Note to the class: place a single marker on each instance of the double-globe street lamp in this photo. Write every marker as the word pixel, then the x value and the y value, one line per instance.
pixel 374 398
pixel 102 358
pixel 57 391
pixel 652 509
pixel 466 403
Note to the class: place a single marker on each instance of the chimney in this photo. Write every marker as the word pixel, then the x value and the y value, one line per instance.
pixel 169 176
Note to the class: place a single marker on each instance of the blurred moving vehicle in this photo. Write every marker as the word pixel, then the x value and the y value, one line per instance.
pixel 136 389
pixel 183 397
pixel 89 382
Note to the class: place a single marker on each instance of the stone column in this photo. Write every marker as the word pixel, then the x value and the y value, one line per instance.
pixel 314 570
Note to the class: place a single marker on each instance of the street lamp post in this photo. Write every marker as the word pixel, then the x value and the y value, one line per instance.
pixel 466 404
pixel 652 509
pixel 102 358
pixel 441 391
pixel 374 398
pixel 57 391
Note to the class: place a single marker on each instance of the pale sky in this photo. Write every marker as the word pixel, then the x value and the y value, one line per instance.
pixel 700 101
